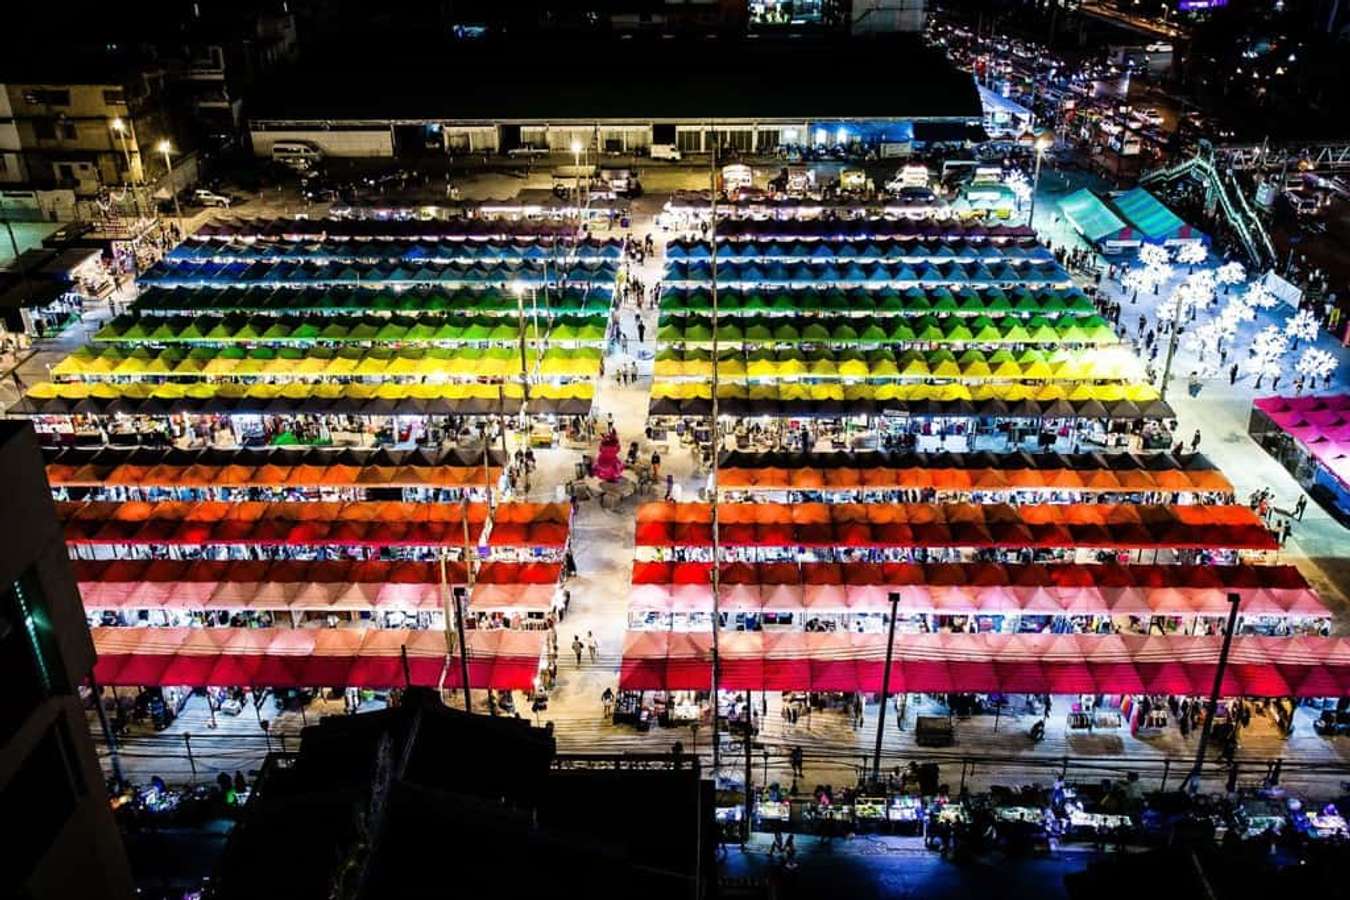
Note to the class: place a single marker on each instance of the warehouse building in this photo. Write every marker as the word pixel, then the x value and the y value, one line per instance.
pixel 752 96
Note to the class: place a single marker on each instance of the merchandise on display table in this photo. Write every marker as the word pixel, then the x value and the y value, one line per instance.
pixel 870 808
pixel 905 808
pixel 1087 823
pixel 774 810
pixel 953 814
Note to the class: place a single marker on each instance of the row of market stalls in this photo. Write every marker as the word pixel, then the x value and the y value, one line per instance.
pixel 232 250
pixel 360 301
pixel 372 228
pixel 952 531
pixel 356 365
pixel 911 251
pixel 1310 436
pixel 392 273
pixel 148 473
pixel 869 228
pixel 970 333
pixel 1063 664
pixel 980 476
pixel 190 594
pixel 967 300
pixel 1003 272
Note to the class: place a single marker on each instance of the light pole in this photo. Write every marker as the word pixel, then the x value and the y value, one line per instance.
pixel 166 148
pixel 885 687
pixel 120 129
pixel 1192 782
pixel 518 288
pixel 576 169
pixel 1044 141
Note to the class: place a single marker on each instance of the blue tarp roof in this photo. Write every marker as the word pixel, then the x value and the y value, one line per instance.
pixel 1146 213
pixel 1086 211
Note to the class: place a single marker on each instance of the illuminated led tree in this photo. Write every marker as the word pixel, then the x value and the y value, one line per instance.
pixel 1258 296
pixel 1230 274
pixel 1268 350
pixel 1152 255
pixel 1314 364
pixel 1302 326
pixel 1192 254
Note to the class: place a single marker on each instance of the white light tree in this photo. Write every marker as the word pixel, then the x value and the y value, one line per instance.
pixel 1017 182
pixel 1314 364
pixel 1192 254
pixel 1258 296
pixel 1301 326
pixel 1230 274
pixel 1153 255
pixel 1268 350
pixel 1205 342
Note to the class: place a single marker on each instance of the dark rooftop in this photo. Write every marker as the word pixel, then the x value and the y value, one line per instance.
pixel 822 77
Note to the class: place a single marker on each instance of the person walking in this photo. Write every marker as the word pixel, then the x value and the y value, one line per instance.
pixel 1195 440
pixel 607 701
pixel 656 465
pixel 641 330
pixel 592 645
pixel 1299 507
pixel 1232 374
pixel 577 647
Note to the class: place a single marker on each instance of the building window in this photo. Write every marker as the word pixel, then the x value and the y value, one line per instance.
pixel 115 97
pixel 69 132
pixel 44 129
pixel 47 97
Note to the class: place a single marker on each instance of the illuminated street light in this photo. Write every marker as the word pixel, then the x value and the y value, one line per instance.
pixel 166 148
pixel 1044 141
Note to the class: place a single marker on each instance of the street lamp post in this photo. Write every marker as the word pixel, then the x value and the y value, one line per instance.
pixel 1192 781
pixel 166 148
pixel 1044 141
pixel 885 687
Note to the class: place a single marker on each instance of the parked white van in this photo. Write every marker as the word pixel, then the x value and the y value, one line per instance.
pixel 296 154
pixel 665 151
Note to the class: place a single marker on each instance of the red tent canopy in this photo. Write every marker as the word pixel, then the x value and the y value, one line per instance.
pixel 1014 663
pixel 286 657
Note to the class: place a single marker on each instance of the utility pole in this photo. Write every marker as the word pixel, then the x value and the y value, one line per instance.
pixel 459 603
pixel 114 759
pixel 716 543
pixel 749 762
pixel 1172 341
pixel 894 597
pixel 1192 782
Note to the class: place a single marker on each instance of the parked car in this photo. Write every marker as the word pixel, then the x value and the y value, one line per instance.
pixel 527 150
pixel 666 151
pixel 211 198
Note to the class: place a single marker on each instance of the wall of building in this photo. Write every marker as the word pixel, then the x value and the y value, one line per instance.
pixel 63 841
pixel 878 16
pixel 332 141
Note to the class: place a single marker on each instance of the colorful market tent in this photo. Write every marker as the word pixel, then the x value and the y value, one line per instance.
pixel 1090 215
pixel 926 328
pixel 318 523
pixel 463 399
pixel 883 249
pixel 871 228
pixel 1147 214
pixel 270 467
pixel 418 300
pixel 1102 525
pixel 92 363
pixel 294 657
pixel 1265 590
pixel 994 663
pixel 455 228
pixel 969 300
pixel 1102 364
pixel 237 249
pixel 435 330
pixel 1047 401
pixel 741 470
